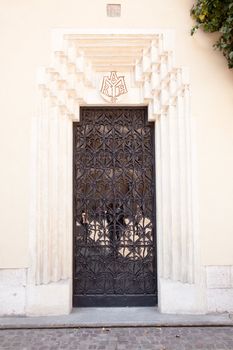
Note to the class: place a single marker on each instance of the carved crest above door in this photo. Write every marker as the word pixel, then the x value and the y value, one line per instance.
pixel 113 87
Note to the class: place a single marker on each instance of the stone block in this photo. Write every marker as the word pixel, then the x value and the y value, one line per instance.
pixel 12 291
pixel 218 277
pixel 181 298
pixel 220 300
pixel 49 299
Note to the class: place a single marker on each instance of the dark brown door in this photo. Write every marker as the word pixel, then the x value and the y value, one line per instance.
pixel 114 208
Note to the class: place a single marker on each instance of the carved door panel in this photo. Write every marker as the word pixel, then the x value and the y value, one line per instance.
pixel 114 254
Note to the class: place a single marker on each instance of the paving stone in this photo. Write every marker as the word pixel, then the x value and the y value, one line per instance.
pixel 153 338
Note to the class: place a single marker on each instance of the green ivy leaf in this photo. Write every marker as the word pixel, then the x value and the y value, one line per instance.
pixel 231 55
pixel 216 16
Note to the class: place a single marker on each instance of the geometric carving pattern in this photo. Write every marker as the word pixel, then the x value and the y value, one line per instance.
pixel 114 243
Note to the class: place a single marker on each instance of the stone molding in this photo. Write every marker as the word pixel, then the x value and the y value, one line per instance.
pixel 72 80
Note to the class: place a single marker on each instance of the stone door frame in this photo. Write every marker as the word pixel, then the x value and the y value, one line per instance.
pixel 154 81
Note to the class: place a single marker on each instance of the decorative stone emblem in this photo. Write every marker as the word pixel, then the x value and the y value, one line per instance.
pixel 113 87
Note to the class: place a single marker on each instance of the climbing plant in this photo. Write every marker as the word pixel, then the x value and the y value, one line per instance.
pixel 216 16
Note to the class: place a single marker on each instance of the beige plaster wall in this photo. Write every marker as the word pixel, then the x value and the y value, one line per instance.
pixel 25 44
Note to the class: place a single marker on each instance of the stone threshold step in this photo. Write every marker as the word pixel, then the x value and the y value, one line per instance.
pixel 116 317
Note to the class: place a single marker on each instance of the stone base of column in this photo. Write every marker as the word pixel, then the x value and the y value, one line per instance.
pixel 49 299
pixel 181 298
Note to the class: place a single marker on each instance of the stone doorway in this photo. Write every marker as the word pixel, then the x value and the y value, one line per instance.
pixel 153 81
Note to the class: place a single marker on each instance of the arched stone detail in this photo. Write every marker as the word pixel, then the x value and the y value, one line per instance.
pixel 62 88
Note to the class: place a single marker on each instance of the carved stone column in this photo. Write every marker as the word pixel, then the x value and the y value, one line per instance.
pixel 174 195
pixel 53 168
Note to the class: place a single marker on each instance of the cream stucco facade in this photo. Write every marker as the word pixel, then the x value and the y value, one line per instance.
pixel 30 33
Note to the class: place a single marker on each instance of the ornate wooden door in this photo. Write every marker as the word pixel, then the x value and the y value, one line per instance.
pixel 114 256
